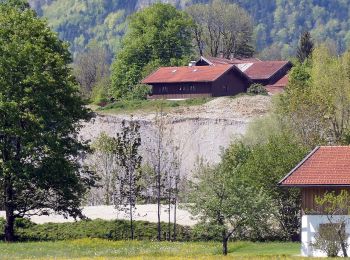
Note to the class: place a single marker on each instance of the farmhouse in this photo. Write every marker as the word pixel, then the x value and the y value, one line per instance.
pixel 271 74
pixel 213 77
pixel 325 169
pixel 196 81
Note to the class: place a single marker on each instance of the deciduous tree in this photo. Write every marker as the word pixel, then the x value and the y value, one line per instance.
pixel 129 159
pixel 222 28
pixel 218 196
pixel 157 36
pixel 40 116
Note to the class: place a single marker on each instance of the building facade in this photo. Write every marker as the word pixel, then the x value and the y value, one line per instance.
pixel 325 169
pixel 196 81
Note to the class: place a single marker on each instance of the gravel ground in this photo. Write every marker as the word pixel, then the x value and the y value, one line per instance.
pixel 146 212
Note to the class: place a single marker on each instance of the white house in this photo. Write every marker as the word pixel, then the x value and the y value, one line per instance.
pixel 325 169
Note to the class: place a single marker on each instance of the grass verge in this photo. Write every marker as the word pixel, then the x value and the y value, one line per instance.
pixel 129 106
pixel 106 249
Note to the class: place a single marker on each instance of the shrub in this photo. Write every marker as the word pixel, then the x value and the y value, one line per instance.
pixel 139 92
pixel 327 238
pixel 257 89
pixel 105 229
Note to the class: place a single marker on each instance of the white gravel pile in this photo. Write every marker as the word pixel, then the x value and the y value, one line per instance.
pixel 146 212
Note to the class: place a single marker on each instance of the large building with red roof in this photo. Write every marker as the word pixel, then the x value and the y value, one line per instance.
pixel 266 73
pixel 213 77
pixel 325 169
pixel 196 81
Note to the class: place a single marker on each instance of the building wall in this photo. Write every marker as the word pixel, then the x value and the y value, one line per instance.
pixel 308 195
pixel 181 90
pixel 230 84
pixel 309 228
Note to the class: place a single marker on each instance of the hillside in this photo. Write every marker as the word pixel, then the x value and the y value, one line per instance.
pixel 200 131
pixel 278 24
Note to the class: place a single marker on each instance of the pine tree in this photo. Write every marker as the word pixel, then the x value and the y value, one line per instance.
pixel 305 48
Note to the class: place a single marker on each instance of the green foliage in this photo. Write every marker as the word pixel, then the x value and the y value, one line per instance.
pixel 40 115
pixel 317 99
pixel 139 92
pixel 305 47
pixel 327 239
pixel 257 89
pixel 266 165
pixel 219 196
pixel 80 22
pixel 278 24
pixel 113 230
pixel 157 36
pixel 149 105
pixel 88 248
pixel 331 237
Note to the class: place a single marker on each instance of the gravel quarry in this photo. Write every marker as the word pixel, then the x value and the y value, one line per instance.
pixel 201 132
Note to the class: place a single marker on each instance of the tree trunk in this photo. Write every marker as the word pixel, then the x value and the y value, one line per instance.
pixel 10 218
pixel 174 231
pixel 224 243
pixel 342 242
pixel 169 212
pixel 131 223
pixel 158 204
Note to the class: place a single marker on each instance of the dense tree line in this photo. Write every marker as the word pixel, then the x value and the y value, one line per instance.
pixel 278 24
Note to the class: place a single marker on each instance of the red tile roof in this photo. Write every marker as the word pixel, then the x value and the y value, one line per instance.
pixel 325 165
pixel 279 86
pixel 264 69
pixel 187 74
pixel 272 90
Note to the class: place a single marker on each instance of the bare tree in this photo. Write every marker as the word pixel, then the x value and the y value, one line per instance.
pixel 222 28
pixel 103 161
pixel 129 141
pixel 91 67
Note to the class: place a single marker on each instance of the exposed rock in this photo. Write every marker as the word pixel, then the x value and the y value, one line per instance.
pixel 200 131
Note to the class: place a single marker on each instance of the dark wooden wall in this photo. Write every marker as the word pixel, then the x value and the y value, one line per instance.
pixel 229 84
pixel 308 196
pixel 181 90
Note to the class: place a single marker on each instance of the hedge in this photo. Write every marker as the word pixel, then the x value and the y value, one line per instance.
pixel 113 230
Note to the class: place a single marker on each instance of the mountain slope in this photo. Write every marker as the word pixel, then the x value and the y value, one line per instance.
pixel 279 23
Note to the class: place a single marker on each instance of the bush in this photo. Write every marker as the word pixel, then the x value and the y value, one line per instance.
pixel 257 89
pixel 139 92
pixel 114 230
pixel 327 238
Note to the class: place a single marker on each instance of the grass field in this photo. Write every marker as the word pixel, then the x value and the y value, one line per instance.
pixel 148 105
pixel 104 249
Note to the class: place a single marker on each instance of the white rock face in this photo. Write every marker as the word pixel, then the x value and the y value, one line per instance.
pixel 200 131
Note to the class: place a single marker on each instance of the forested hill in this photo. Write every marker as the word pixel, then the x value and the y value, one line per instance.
pixel 278 23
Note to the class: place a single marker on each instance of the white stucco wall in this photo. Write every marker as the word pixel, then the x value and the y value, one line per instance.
pixel 309 227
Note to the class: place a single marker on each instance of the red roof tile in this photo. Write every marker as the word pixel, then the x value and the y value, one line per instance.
pixel 325 165
pixel 279 86
pixel 264 69
pixel 273 90
pixel 187 74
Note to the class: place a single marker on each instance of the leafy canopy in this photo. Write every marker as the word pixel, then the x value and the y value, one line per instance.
pixel 40 115
pixel 157 36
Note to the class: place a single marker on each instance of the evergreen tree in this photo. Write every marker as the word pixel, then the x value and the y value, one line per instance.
pixel 305 47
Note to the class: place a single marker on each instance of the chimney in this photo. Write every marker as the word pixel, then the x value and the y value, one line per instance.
pixel 192 63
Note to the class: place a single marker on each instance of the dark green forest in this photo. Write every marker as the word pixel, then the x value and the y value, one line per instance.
pixel 277 23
